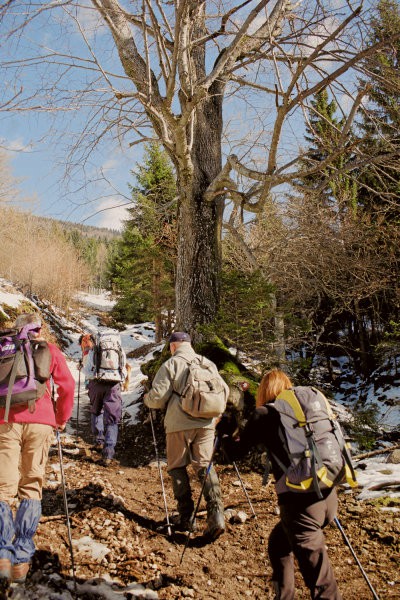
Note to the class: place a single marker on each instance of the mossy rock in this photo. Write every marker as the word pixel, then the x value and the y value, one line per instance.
pixel 150 368
pixel 8 314
pixel 385 501
pixel 230 368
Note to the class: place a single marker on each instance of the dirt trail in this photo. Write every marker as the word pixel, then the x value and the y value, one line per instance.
pixel 122 507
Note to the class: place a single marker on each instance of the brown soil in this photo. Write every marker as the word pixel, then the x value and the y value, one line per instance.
pixel 122 507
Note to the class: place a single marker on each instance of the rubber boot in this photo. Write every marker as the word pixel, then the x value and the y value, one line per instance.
pixel 215 508
pixel 6 538
pixel 183 496
pixel 26 522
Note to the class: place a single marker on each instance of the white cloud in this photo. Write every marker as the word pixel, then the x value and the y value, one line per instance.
pixel 109 165
pixel 16 145
pixel 113 214
pixel 90 20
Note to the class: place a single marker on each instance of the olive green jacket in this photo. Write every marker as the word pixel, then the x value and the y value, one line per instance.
pixel 168 383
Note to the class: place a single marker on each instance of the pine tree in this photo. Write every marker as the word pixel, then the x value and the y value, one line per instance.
pixel 380 182
pixel 246 313
pixel 142 271
pixel 322 133
pixel 379 187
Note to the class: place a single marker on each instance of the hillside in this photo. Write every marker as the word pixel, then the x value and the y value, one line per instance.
pixel 120 545
pixel 84 230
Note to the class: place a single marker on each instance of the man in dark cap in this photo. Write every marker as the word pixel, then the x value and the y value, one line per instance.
pixel 189 440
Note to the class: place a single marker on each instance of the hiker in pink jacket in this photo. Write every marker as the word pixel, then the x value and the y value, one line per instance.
pixel 25 437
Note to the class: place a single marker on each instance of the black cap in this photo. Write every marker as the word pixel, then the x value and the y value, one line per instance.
pixel 179 336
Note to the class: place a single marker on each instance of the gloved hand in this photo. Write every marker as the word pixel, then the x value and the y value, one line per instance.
pixel 146 385
pixel 226 426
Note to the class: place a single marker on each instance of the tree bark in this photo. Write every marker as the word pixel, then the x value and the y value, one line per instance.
pixel 156 296
pixel 200 224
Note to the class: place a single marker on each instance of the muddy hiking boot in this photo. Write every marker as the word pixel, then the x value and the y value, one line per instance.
pixel 19 572
pixel 183 496
pixel 215 508
pixel 7 533
pixel 183 524
pixel 5 568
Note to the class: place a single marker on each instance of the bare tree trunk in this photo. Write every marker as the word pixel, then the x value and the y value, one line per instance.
pixel 157 307
pixel 200 223
pixel 366 360
pixel 279 334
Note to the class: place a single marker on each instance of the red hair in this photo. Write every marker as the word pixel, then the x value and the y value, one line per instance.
pixel 86 342
pixel 271 385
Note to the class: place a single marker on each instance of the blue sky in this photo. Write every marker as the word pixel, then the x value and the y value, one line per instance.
pixel 40 142
pixel 38 163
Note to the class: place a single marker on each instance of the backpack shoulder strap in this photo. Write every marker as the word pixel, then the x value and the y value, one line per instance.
pixel 17 361
pixel 188 361
pixel 290 397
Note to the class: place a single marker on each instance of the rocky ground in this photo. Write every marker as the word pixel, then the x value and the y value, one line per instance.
pixel 121 548
pixel 121 507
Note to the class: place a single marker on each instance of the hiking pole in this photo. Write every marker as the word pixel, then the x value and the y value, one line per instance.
pixel 160 472
pixel 224 452
pixel 244 489
pixel 193 518
pixel 79 392
pixel 60 457
pixel 347 541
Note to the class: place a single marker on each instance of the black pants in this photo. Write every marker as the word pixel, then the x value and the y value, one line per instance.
pixel 299 534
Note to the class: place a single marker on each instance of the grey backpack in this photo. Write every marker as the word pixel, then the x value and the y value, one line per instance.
pixel 317 451
pixel 106 360
pixel 205 393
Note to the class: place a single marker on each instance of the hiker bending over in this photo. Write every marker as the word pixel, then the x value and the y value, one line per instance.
pixel 189 439
pixel 303 514
pixel 26 433
pixel 105 370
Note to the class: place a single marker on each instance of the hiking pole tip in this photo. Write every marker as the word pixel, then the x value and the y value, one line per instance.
pixel 347 541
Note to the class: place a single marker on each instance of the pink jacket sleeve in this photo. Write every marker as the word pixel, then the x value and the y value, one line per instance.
pixel 65 385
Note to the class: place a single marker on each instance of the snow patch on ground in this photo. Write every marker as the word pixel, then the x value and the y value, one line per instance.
pixel 9 298
pixel 87 545
pixel 377 478
pixel 101 301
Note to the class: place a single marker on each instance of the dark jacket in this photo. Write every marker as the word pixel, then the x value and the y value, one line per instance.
pixel 264 428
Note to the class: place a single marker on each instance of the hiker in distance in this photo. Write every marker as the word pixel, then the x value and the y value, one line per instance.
pixel 189 437
pixel 304 510
pixel 105 370
pixel 26 433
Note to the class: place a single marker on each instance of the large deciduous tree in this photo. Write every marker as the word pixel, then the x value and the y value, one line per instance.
pixel 187 68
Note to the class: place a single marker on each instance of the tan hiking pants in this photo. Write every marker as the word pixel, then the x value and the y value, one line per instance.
pixel 191 446
pixel 24 449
